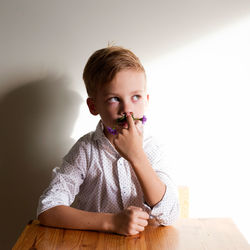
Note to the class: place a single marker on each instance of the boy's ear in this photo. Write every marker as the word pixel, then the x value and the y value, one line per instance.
pixel 147 100
pixel 92 107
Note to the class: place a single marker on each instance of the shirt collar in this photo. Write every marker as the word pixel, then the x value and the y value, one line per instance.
pixel 99 134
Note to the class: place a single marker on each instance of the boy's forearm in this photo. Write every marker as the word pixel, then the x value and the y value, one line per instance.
pixel 71 218
pixel 153 188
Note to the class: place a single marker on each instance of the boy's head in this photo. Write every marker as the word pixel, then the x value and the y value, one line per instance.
pixel 116 84
pixel 105 63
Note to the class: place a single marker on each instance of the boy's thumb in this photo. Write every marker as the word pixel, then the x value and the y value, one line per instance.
pixel 135 208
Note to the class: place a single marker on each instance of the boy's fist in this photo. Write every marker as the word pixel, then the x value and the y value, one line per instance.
pixel 129 142
pixel 130 221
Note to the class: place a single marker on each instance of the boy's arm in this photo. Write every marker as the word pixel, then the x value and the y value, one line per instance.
pixel 72 218
pixel 129 144
pixel 153 188
pixel 128 222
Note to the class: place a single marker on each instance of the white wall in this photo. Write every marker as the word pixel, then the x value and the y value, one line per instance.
pixel 197 57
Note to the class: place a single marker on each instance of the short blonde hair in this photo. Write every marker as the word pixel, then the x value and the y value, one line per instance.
pixel 104 64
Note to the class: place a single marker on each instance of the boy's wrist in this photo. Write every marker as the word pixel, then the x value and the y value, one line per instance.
pixel 109 225
pixel 139 158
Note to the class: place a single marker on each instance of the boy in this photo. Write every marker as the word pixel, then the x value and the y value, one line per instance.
pixel 117 173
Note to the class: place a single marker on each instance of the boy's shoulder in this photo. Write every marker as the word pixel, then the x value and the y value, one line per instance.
pixel 81 149
pixel 88 140
pixel 151 140
pixel 92 136
pixel 154 146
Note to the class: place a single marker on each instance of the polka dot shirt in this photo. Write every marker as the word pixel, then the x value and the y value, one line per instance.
pixel 96 178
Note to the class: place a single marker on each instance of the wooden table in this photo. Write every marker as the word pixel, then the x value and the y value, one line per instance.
pixel 214 234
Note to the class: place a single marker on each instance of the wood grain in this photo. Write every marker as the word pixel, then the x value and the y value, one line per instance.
pixel 188 234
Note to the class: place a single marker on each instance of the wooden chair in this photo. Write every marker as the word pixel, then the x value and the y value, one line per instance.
pixel 184 201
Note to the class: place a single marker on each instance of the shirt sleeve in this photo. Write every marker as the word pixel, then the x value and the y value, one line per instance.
pixel 166 211
pixel 66 180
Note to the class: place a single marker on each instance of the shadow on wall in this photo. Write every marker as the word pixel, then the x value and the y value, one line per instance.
pixel 36 122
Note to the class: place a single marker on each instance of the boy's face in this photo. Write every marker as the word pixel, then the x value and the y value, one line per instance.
pixel 125 93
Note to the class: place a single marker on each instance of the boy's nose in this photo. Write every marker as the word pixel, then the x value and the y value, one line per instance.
pixel 126 108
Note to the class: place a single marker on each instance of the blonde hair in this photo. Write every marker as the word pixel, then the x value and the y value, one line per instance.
pixel 104 64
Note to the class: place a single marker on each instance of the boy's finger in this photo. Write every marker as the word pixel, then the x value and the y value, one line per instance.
pixel 130 120
pixel 135 208
pixel 140 213
pixel 143 215
pixel 139 126
pixel 142 222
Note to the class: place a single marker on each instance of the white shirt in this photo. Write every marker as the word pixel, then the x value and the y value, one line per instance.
pixel 100 180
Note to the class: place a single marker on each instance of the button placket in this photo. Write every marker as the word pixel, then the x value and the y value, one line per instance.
pixel 124 177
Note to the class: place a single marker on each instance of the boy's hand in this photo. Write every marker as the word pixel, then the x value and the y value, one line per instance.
pixel 130 221
pixel 129 142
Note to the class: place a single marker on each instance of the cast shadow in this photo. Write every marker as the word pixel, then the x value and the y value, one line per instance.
pixel 36 122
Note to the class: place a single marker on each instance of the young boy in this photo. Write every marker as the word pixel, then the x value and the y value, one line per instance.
pixel 117 174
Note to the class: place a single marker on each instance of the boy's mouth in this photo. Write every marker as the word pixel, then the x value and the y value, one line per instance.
pixel 123 120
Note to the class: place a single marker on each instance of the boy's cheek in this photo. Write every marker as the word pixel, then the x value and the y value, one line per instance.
pixel 108 121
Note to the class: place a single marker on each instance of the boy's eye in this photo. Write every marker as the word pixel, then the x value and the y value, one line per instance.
pixel 113 99
pixel 136 97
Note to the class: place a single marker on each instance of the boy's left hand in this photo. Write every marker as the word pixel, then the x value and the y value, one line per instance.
pixel 129 142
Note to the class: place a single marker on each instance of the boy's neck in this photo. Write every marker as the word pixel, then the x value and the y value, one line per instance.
pixel 109 136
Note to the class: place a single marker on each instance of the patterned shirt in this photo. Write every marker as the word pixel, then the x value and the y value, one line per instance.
pixel 97 179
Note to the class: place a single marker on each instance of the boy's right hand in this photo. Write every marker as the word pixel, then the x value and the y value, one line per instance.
pixel 130 221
